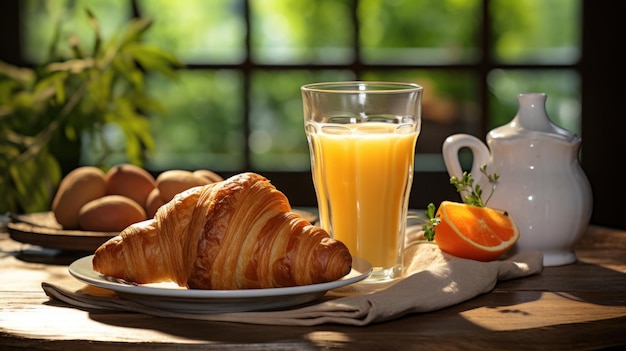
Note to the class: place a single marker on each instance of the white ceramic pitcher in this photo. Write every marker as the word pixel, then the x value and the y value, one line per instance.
pixel 541 184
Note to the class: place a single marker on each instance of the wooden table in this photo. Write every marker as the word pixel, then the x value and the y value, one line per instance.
pixel 574 307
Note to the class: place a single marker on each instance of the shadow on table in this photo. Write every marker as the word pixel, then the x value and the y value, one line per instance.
pixel 580 281
pixel 36 254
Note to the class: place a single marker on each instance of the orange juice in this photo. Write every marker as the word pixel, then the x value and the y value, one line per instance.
pixel 363 174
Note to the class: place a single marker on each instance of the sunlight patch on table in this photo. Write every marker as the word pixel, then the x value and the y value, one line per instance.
pixel 326 338
pixel 550 309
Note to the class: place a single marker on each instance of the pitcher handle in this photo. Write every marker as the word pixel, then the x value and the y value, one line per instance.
pixel 456 142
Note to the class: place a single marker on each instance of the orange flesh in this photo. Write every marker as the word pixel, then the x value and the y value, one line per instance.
pixel 474 232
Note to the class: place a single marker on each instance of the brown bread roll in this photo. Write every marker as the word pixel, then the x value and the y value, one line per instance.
pixel 175 181
pixel 111 213
pixel 210 175
pixel 77 188
pixel 153 202
pixel 131 181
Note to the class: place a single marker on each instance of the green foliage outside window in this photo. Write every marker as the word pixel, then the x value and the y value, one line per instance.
pixel 294 31
pixel 426 31
pixel 203 126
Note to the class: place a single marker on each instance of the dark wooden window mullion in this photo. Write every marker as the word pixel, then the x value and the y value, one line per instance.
pixel 247 70
pixel 357 63
pixel 11 34
pixel 135 9
pixel 485 66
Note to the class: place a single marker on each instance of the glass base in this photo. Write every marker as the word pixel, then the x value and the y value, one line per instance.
pixel 380 274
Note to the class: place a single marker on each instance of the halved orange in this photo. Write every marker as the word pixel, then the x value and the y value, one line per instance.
pixel 478 233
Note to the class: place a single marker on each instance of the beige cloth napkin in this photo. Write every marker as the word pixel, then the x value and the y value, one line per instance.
pixel 432 280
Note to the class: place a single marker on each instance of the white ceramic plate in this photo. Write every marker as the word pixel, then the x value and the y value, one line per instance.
pixel 169 296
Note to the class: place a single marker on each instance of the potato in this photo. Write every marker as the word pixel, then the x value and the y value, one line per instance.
pixel 131 181
pixel 210 175
pixel 110 213
pixel 153 202
pixel 176 181
pixel 77 188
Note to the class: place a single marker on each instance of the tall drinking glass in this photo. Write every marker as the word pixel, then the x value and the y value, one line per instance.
pixel 362 138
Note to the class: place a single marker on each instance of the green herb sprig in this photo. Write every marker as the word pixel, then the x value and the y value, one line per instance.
pixel 474 192
pixel 433 221
pixel 473 197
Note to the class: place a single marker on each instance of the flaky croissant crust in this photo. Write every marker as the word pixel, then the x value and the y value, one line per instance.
pixel 236 234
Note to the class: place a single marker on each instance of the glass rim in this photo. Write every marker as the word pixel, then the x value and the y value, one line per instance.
pixel 361 86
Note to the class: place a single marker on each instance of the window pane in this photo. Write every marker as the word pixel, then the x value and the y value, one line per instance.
pixel 277 139
pixel 198 31
pixel 427 31
pixel 92 149
pixel 203 127
pixel 449 106
pixel 561 86
pixel 295 31
pixel 40 20
pixel 536 31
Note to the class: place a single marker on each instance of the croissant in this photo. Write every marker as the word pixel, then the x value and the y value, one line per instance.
pixel 239 233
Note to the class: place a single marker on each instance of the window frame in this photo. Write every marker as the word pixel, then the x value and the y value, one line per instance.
pixel 601 85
